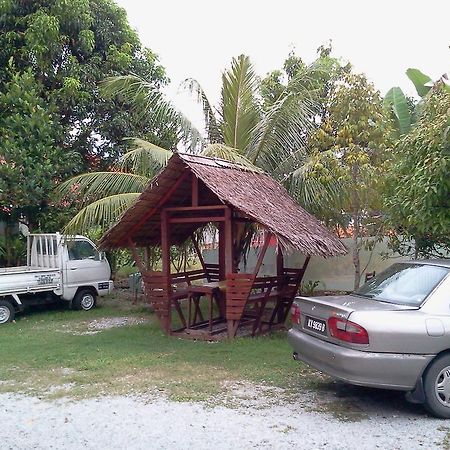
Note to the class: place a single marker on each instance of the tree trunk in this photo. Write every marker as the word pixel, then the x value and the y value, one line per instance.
pixel 356 262
pixel 356 227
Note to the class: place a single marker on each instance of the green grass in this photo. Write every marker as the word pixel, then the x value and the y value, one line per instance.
pixel 46 353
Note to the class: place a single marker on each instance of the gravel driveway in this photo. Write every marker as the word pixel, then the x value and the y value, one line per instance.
pixel 353 418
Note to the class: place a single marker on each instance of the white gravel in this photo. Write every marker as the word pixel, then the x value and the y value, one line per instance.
pixel 135 423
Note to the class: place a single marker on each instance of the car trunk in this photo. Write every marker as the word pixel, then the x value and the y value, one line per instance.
pixel 316 312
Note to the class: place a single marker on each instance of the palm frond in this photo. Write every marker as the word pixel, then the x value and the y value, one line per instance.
pixel 151 105
pixel 92 186
pixel 212 127
pixel 144 159
pixel 286 125
pixel 230 154
pixel 239 109
pixel 308 186
pixel 283 130
pixel 101 213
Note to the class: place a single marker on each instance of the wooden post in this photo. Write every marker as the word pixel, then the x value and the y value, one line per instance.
pixel 280 261
pixel 228 244
pixel 221 259
pixel 280 278
pixel 165 255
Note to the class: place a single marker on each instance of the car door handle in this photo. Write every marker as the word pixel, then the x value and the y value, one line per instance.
pixel 73 268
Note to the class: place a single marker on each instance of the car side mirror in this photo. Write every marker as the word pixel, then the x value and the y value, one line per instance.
pixel 101 256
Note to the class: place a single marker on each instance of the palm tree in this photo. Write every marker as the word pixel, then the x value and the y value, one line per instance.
pixel 239 130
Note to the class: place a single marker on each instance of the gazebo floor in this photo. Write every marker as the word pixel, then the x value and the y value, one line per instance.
pixel 219 332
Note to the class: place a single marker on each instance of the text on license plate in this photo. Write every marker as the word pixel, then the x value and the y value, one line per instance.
pixel 319 326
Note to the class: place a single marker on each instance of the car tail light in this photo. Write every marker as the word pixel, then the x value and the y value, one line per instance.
pixel 295 314
pixel 347 331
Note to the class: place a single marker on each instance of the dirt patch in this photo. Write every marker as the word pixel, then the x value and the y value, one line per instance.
pixel 97 325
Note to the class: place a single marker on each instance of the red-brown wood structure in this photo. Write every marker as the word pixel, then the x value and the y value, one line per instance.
pixel 216 300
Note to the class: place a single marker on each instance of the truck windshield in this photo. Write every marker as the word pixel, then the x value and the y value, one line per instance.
pixel 79 250
pixel 403 283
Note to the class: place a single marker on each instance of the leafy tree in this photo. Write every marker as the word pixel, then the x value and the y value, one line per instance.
pixel 70 46
pixel 351 145
pixel 59 50
pixel 30 162
pixel 418 196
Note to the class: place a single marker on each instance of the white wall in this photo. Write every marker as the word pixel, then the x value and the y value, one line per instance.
pixel 333 273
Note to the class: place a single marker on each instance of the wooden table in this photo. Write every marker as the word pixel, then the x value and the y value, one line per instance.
pixel 212 291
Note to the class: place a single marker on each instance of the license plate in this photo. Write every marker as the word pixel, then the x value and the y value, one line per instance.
pixel 316 325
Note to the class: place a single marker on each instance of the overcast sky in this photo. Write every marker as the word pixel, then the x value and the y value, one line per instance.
pixel 198 38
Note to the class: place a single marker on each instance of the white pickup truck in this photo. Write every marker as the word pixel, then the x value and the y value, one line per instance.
pixel 58 268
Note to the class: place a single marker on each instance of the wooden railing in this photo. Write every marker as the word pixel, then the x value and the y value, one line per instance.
pixel 157 292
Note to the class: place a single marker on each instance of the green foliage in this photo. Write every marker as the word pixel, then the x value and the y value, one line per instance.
pixel 418 197
pixel 13 251
pixel 421 81
pixel 70 46
pixel 101 197
pixel 352 145
pixel 32 156
pixel 396 101
pixel 53 119
pixel 238 110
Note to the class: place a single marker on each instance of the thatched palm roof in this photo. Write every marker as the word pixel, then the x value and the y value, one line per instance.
pixel 253 194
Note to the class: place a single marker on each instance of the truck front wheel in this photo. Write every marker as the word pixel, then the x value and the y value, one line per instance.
pixel 84 299
pixel 7 312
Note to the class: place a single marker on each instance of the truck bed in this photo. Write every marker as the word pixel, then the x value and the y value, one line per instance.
pixel 30 279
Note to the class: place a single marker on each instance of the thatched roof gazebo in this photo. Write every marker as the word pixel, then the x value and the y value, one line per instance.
pixel 193 191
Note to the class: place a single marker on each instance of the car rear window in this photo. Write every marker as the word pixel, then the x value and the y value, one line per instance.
pixel 403 283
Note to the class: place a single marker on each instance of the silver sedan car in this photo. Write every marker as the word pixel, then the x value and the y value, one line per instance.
pixel 392 333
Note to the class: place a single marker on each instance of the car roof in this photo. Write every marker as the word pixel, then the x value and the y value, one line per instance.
pixel 431 262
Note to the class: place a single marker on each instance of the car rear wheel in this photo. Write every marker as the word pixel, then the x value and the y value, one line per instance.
pixel 437 387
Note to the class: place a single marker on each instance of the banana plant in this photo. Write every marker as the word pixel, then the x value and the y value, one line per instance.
pixel 395 100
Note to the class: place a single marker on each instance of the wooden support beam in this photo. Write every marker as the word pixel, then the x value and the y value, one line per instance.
pixel 228 245
pixel 194 190
pixel 196 208
pixel 262 253
pixel 199 253
pixel 136 256
pixel 203 219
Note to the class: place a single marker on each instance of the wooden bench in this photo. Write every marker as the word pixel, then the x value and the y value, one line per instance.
pixel 247 297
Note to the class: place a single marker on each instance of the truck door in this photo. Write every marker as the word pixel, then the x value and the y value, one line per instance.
pixel 84 265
